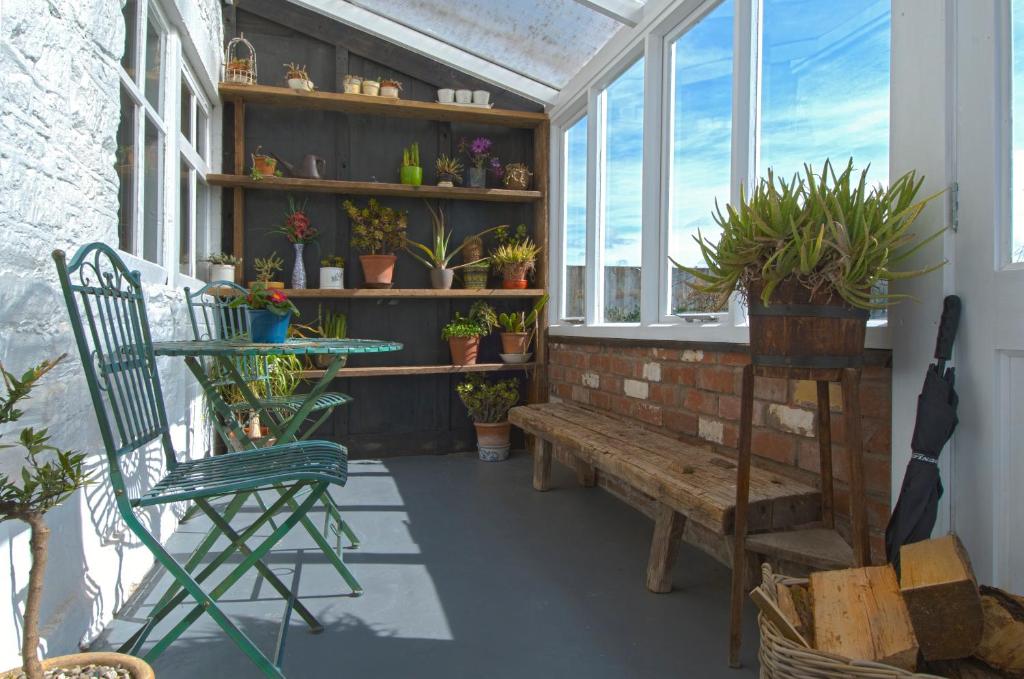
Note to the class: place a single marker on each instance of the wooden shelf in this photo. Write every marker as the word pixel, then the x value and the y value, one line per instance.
pixel 410 293
pixel 395 370
pixel 383 106
pixel 343 187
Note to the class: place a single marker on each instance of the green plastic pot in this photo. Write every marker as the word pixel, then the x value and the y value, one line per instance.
pixel 412 175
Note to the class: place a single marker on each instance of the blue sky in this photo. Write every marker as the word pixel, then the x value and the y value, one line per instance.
pixel 825 94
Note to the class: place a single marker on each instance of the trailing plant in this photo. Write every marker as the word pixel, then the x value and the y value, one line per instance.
pixel 411 155
pixel 296 72
pixel 334 261
pixel 223 259
pixel 48 478
pixel 830 233
pixel 439 254
pixel 512 257
pixel 377 229
pixel 296 226
pixel 260 298
pixel 488 402
pixel 479 322
pixel 447 166
pixel 267 266
pixel 522 321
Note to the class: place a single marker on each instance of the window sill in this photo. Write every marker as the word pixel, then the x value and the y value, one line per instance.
pixel 155 274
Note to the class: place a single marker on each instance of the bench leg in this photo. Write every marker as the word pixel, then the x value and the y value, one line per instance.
pixel 586 475
pixel 541 464
pixel 668 531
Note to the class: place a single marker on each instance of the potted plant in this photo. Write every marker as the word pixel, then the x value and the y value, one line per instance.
pixel 818 247
pixel 353 84
pixel 48 478
pixel 517 176
pixel 437 257
pixel 239 70
pixel 298 78
pixel 263 165
pixel 463 333
pixel 266 267
pixel 332 273
pixel 411 173
pixel 390 88
pixel 478 152
pixel 379 232
pixel 297 230
pixel 474 276
pixel 371 86
pixel 514 260
pixel 269 313
pixel 332 326
pixel 222 266
pixel 518 329
pixel 488 404
pixel 449 170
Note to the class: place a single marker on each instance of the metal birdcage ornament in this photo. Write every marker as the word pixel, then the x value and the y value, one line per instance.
pixel 241 70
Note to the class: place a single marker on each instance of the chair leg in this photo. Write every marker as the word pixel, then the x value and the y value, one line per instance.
pixel 740 516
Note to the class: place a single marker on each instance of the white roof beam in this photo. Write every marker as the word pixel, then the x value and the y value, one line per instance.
pixel 626 12
pixel 394 32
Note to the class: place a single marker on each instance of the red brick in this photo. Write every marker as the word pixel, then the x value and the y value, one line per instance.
pixel 595 348
pixel 760 407
pixel 774 446
pixel 730 435
pixel 771 389
pixel 611 383
pixel 729 407
pixel 722 380
pixel 734 358
pixel 563 390
pixel 680 421
pixel 701 401
pixel 807 456
pixel 580 394
pixel 624 366
pixel 665 394
pixel 649 413
pixel 600 399
pixel 600 363
pixel 679 373
pixel 621 405
pixel 556 373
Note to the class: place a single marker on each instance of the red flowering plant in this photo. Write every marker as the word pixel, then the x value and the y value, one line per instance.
pixel 296 226
pixel 260 297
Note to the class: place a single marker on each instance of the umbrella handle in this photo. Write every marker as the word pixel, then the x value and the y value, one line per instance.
pixel 947 328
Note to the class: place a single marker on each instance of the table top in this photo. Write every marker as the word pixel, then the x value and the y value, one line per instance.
pixel 296 347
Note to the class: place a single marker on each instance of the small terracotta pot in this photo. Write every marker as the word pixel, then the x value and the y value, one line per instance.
pixel 515 342
pixel 493 434
pixel 464 350
pixel 265 165
pixel 378 269
pixel 514 283
pixel 137 667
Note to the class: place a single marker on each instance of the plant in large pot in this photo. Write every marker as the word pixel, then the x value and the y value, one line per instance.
pixel 269 311
pixel 488 404
pixel 438 255
pixel 379 232
pixel 463 333
pixel 817 249
pixel 49 476
pixel 518 330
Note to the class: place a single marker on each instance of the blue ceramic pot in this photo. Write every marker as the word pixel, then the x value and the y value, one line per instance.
pixel 266 327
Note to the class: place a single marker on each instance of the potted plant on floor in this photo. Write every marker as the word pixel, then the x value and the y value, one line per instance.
pixel 298 78
pixel 463 333
pixel 222 266
pixel 49 477
pixel 818 246
pixel 411 173
pixel 449 171
pixel 488 404
pixel 297 230
pixel 478 152
pixel 379 232
pixel 266 267
pixel 437 256
pixel 269 311
pixel 514 260
pixel 332 273
pixel 518 329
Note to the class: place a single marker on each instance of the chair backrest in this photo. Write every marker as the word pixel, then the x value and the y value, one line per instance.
pixel 108 316
pixel 212 317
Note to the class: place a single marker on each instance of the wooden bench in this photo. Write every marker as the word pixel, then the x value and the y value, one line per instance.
pixel 687 483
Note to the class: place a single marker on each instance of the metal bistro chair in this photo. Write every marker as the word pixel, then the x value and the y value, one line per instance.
pixel 108 315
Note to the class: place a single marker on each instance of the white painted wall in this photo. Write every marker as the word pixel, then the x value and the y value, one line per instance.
pixel 59 112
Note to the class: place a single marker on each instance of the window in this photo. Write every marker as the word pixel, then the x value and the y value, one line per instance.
pixel 621 195
pixel 193 208
pixel 574 216
pixel 1017 115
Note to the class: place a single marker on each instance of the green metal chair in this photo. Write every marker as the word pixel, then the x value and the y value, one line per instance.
pixel 212 318
pixel 108 316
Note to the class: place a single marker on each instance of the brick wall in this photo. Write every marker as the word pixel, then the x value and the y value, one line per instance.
pixel 691 391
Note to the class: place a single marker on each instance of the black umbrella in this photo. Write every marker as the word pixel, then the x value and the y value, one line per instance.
pixel 914 516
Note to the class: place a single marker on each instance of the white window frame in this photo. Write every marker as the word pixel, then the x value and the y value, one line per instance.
pixel 558 188
pixel 199 166
pixel 663 22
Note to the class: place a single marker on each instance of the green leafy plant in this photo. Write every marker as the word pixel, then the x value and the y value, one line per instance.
pixel 333 325
pixel 49 477
pixel 515 258
pixel 411 155
pixel 448 168
pixel 333 261
pixel 488 402
pixel 223 259
pixel 522 321
pixel 267 266
pixel 376 229
pixel 830 233
pixel 260 298
pixel 505 234
pixel 439 254
pixel 479 322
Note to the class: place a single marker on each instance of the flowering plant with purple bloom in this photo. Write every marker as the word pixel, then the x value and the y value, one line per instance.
pixel 477 151
pixel 497 169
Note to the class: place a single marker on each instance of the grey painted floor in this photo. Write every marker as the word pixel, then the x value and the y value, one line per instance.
pixel 468 572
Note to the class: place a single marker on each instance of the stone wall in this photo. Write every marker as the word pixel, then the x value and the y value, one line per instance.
pixel 690 391
pixel 59 113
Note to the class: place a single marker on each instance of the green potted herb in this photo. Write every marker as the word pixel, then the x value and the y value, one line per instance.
pixel 266 267
pixel 518 329
pixel 817 248
pixel 438 255
pixel 488 404
pixel 332 273
pixel 222 266
pixel 463 333
pixel 269 311
pixel 449 170
pixel 411 173
pixel 514 260
pixel 379 232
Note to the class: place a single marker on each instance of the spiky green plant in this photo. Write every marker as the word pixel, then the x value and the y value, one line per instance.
pixel 830 232
pixel 439 254
pixel 520 321
pixel 411 155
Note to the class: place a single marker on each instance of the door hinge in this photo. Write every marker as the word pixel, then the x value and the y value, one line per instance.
pixel 954 206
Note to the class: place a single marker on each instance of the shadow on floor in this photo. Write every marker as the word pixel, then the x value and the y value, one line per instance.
pixel 468 572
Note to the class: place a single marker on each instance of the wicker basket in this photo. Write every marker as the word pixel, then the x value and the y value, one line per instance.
pixel 784 659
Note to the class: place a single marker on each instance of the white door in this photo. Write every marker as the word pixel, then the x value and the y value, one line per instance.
pixel 987 503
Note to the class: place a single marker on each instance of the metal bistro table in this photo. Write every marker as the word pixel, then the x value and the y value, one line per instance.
pixel 227 354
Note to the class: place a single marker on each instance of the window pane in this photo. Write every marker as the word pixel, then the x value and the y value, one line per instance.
pixel 701 152
pixel 202 123
pixel 202 219
pixel 1017 163
pixel 575 218
pixel 622 195
pixel 151 194
pixel 186 111
pixel 825 85
pixel 154 67
pixel 130 58
pixel 184 219
pixel 125 165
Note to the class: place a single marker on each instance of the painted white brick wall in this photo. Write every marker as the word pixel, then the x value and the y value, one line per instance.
pixel 59 113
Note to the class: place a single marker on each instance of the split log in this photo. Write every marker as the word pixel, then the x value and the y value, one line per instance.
pixel 859 614
pixel 1002 641
pixel 942 596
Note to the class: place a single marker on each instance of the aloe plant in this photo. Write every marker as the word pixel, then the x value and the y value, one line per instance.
pixel 831 232
pixel 519 321
pixel 439 254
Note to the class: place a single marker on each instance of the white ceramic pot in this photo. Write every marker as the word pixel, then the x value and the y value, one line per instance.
pixel 446 95
pixel 371 87
pixel 353 88
pixel 463 96
pixel 481 97
pixel 222 272
pixel 389 91
pixel 300 85
pixel 332 278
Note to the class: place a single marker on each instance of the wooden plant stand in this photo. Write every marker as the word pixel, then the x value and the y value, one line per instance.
pixel 819 547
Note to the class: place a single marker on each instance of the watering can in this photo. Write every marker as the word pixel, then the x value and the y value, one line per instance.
pixel 311 167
